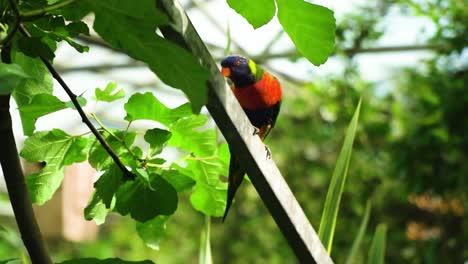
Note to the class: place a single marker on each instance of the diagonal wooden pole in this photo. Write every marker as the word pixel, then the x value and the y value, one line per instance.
pixel 237 130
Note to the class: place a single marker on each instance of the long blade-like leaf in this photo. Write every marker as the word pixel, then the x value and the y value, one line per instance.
pixel 362 229
pixel 332 202
pixel 204 256
pixel 377 250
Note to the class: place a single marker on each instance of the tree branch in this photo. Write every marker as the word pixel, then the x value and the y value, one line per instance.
pixel 44 10
pixel 16 184
pixel 129 175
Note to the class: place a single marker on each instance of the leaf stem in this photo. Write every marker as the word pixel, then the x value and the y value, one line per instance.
pixel 121 141
pixel 42 11
pixel 129 175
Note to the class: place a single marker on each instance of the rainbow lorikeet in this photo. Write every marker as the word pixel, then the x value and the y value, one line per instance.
pixel 259 94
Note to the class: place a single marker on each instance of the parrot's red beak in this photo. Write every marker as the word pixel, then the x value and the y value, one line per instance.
pixel 226 72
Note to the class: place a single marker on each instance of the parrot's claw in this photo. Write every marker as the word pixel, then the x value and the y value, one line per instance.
pixel 268 152
pixel 256 131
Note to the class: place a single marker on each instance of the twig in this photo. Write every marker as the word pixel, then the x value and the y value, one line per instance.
pixel 44 10
pixel 129 175
pixel 16 184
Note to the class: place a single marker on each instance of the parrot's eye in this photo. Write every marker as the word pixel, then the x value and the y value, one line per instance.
pixel 237 63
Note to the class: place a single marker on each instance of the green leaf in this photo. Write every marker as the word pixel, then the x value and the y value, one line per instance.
pixel 152 231
pixel 157 139
pixel 108 184
pixel 186 135
pixel 145 202
pixel 311 28
pixel 110 93
pixel 209 200
pixel 96 210
pixel 257 13
pixel 40 82
pixel 40 105
pixel 358 239
pixel 131 28
pixel 10 77
pixel 179 181
pixel 54 148
pixel 35 47
pixel 377 249
pixel 104 261
pixel 146 106
pixel 210 193
pixel 100 159
pixel 335 191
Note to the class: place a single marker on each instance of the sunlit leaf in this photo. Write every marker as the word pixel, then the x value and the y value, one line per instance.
pixel 335 191
pixel 54 148
pixel 40 105
pixel 146 106
pixel 110 93
pixel 152 231
pixel 311 28
pixel 186 135
pixel 257 13
pixel 96 210
pixel 40 81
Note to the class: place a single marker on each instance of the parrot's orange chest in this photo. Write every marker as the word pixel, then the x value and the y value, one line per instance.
pixel 262 94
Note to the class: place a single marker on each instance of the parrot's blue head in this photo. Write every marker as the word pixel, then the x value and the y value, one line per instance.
pixel 240 70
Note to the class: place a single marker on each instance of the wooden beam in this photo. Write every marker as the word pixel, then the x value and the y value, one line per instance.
pixel 238 131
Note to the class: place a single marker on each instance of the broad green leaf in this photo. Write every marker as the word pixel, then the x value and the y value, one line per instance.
pixel 377 249
pixel 96 210
pixel 157 139
pixel 209 200
pixel 257 13
pixel 10 76
pixel 36 47
pixel 110 93
pixel 100 159
pixel 210 193
pixel 40 82
pixel 153 231
pixel 335 191
pixel 146 106
pixel 104 261
pixel 52 29
pixel 40 105
pixel 186 135
pixel 11 261
pixel 131 28
pixel 143 202
pixel 311 28
pixel 204 255
pixel 53 148
pixel 357 241
pixel 179 181
pixel 108 184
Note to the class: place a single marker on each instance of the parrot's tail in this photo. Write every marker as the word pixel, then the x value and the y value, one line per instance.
pixel 236 175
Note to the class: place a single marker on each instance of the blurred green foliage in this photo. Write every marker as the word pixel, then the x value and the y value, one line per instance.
pixel 409 158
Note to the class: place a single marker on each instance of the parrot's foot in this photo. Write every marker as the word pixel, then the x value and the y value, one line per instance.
pixel 268 152
pixel 256 131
